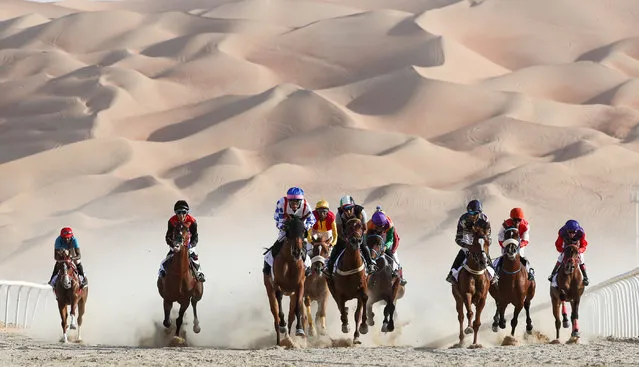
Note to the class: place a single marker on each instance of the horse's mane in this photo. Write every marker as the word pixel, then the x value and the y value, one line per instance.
pixel 295 228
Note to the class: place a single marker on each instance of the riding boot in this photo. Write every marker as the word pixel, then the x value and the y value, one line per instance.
pixel 490 263
pixel 583 271
pixel 367 257
pixel 84 277
pixel 554 271
pixel 531 271
pixel 266 269
pixel 328 270
pixel 459 260
pixel 198 274
pixel 55 271
pixel 499 265
pixel 402 281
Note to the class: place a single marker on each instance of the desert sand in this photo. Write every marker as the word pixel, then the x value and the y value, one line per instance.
pixel 112 111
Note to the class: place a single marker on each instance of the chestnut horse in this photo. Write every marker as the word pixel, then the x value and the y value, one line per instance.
pixel 288 279
pixel 349 279
pixel 513 286
pixel 68 293
pixel 315 287
pixel 473 283
pixel 179 284
pixel 569 288
pixel 382 285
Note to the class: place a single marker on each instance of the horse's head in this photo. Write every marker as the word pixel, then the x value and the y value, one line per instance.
pixel 66 273
pixel 319 254
pixel 295 232
pixel 511 242
pixel 181 237
pixel 478 250
pixel 571 258
pixel 375 243
pixel 354 233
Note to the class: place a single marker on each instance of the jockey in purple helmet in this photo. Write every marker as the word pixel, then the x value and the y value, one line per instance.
pixel 293 204
pixel 381 224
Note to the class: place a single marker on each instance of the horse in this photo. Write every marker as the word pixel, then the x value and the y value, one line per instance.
pixel 382 285
pixel 349 279
pixel 569 288
pixel 179 284
pixel 315 286
pixel 288 279
pixel 472 284
pixel 68 293
pixel 513 286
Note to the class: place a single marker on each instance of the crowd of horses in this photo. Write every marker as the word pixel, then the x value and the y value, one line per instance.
pixel 350 280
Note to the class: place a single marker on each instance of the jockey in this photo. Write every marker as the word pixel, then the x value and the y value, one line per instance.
pixel 348 210
pixel 325 225
pixel 295 204
pixel 67 241
pixel 516 220
pixel 464 236
pixel 383 225
pixel 571 233
pixel 183 218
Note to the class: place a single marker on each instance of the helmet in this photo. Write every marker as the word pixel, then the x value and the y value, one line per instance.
pixel 572 225
pixel 474 206
pixel 346 200
pixel 322 204
pixel 66 232
pixel 517 213
pixel 295 193
pixel 379 218
pixel 181 205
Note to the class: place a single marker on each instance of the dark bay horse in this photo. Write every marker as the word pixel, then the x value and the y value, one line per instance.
pixel 569 288
pixel 180 285
pixel 315 286
pixel 68 293
pixel 382 285
pixel 472 283
pixel 349 279
pixel 513 286
pixel 288 279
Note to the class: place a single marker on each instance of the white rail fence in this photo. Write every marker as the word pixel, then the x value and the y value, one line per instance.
pixel 16 306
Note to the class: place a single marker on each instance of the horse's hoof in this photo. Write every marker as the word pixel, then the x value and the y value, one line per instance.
pixel 166 323
pixel 475 346
pixel 363 329
pixel 574 334
pixel 529 330
pixel 196 329
pixel 456 346
pixel 495 328
pixel 573 340
pixel 64 339
pixel 390 327
pixel 556 341
pixel 468 330
pixel 346 329
pixel 356 341
pixel 300 332
pixel 370 321
pixel 72 327
pixel 502 325
pixel 283 330
pixel 385 327
pixel 509 341
pixel 311 331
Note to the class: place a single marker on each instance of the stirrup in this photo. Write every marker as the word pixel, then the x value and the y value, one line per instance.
pixel 403 281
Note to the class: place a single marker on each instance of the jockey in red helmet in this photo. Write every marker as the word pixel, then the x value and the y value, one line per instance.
pixel 182 218
pixel 571 233
pixel 67 241
pixel 518 221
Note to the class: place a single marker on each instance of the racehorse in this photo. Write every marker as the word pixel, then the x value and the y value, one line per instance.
pixel 472 284
pixel 349 279
pixel 569 288
pixel 383 285
pixel 179 284
pixel 68 293
pixel 288 279
pixel 513 286
pixel 315 287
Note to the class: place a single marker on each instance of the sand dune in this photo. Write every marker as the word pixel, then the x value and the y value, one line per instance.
pixel 112 111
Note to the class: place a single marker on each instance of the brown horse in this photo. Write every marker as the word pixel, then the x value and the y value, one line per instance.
pixel 382 285
pixel 179 284
pixel 68 293
pixel 349 279
pixel 315 287
pixel 569 288
pixel 472 284
pixel 513 286
pixel 288 279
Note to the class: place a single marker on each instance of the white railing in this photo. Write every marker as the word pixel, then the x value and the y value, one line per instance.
pixel 611 308
pixel 19 314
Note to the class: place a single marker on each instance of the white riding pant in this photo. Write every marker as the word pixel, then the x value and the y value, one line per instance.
pixel 268 257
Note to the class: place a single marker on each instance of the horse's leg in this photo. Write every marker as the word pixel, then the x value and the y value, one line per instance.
pixel 460 317
pixel 274 302
pixel 502 314
pixel 180 318
pixel 555 312
pixel 74 307
pixel 363 320
pixel 81 308
pixel 564 315
pixel 292 312
pixel 529 325
pixel 299 310
pixel 391 315
pixel 321 313
pixel 343 312
pixel 477 323
pixel 62 308
pixel 358 319
pixel 468 301
pixel 282 323
pixel 196 322
pixel 167 313
pixel 574 316
pixel 515 320
pixel 496 318
pixel 309 316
